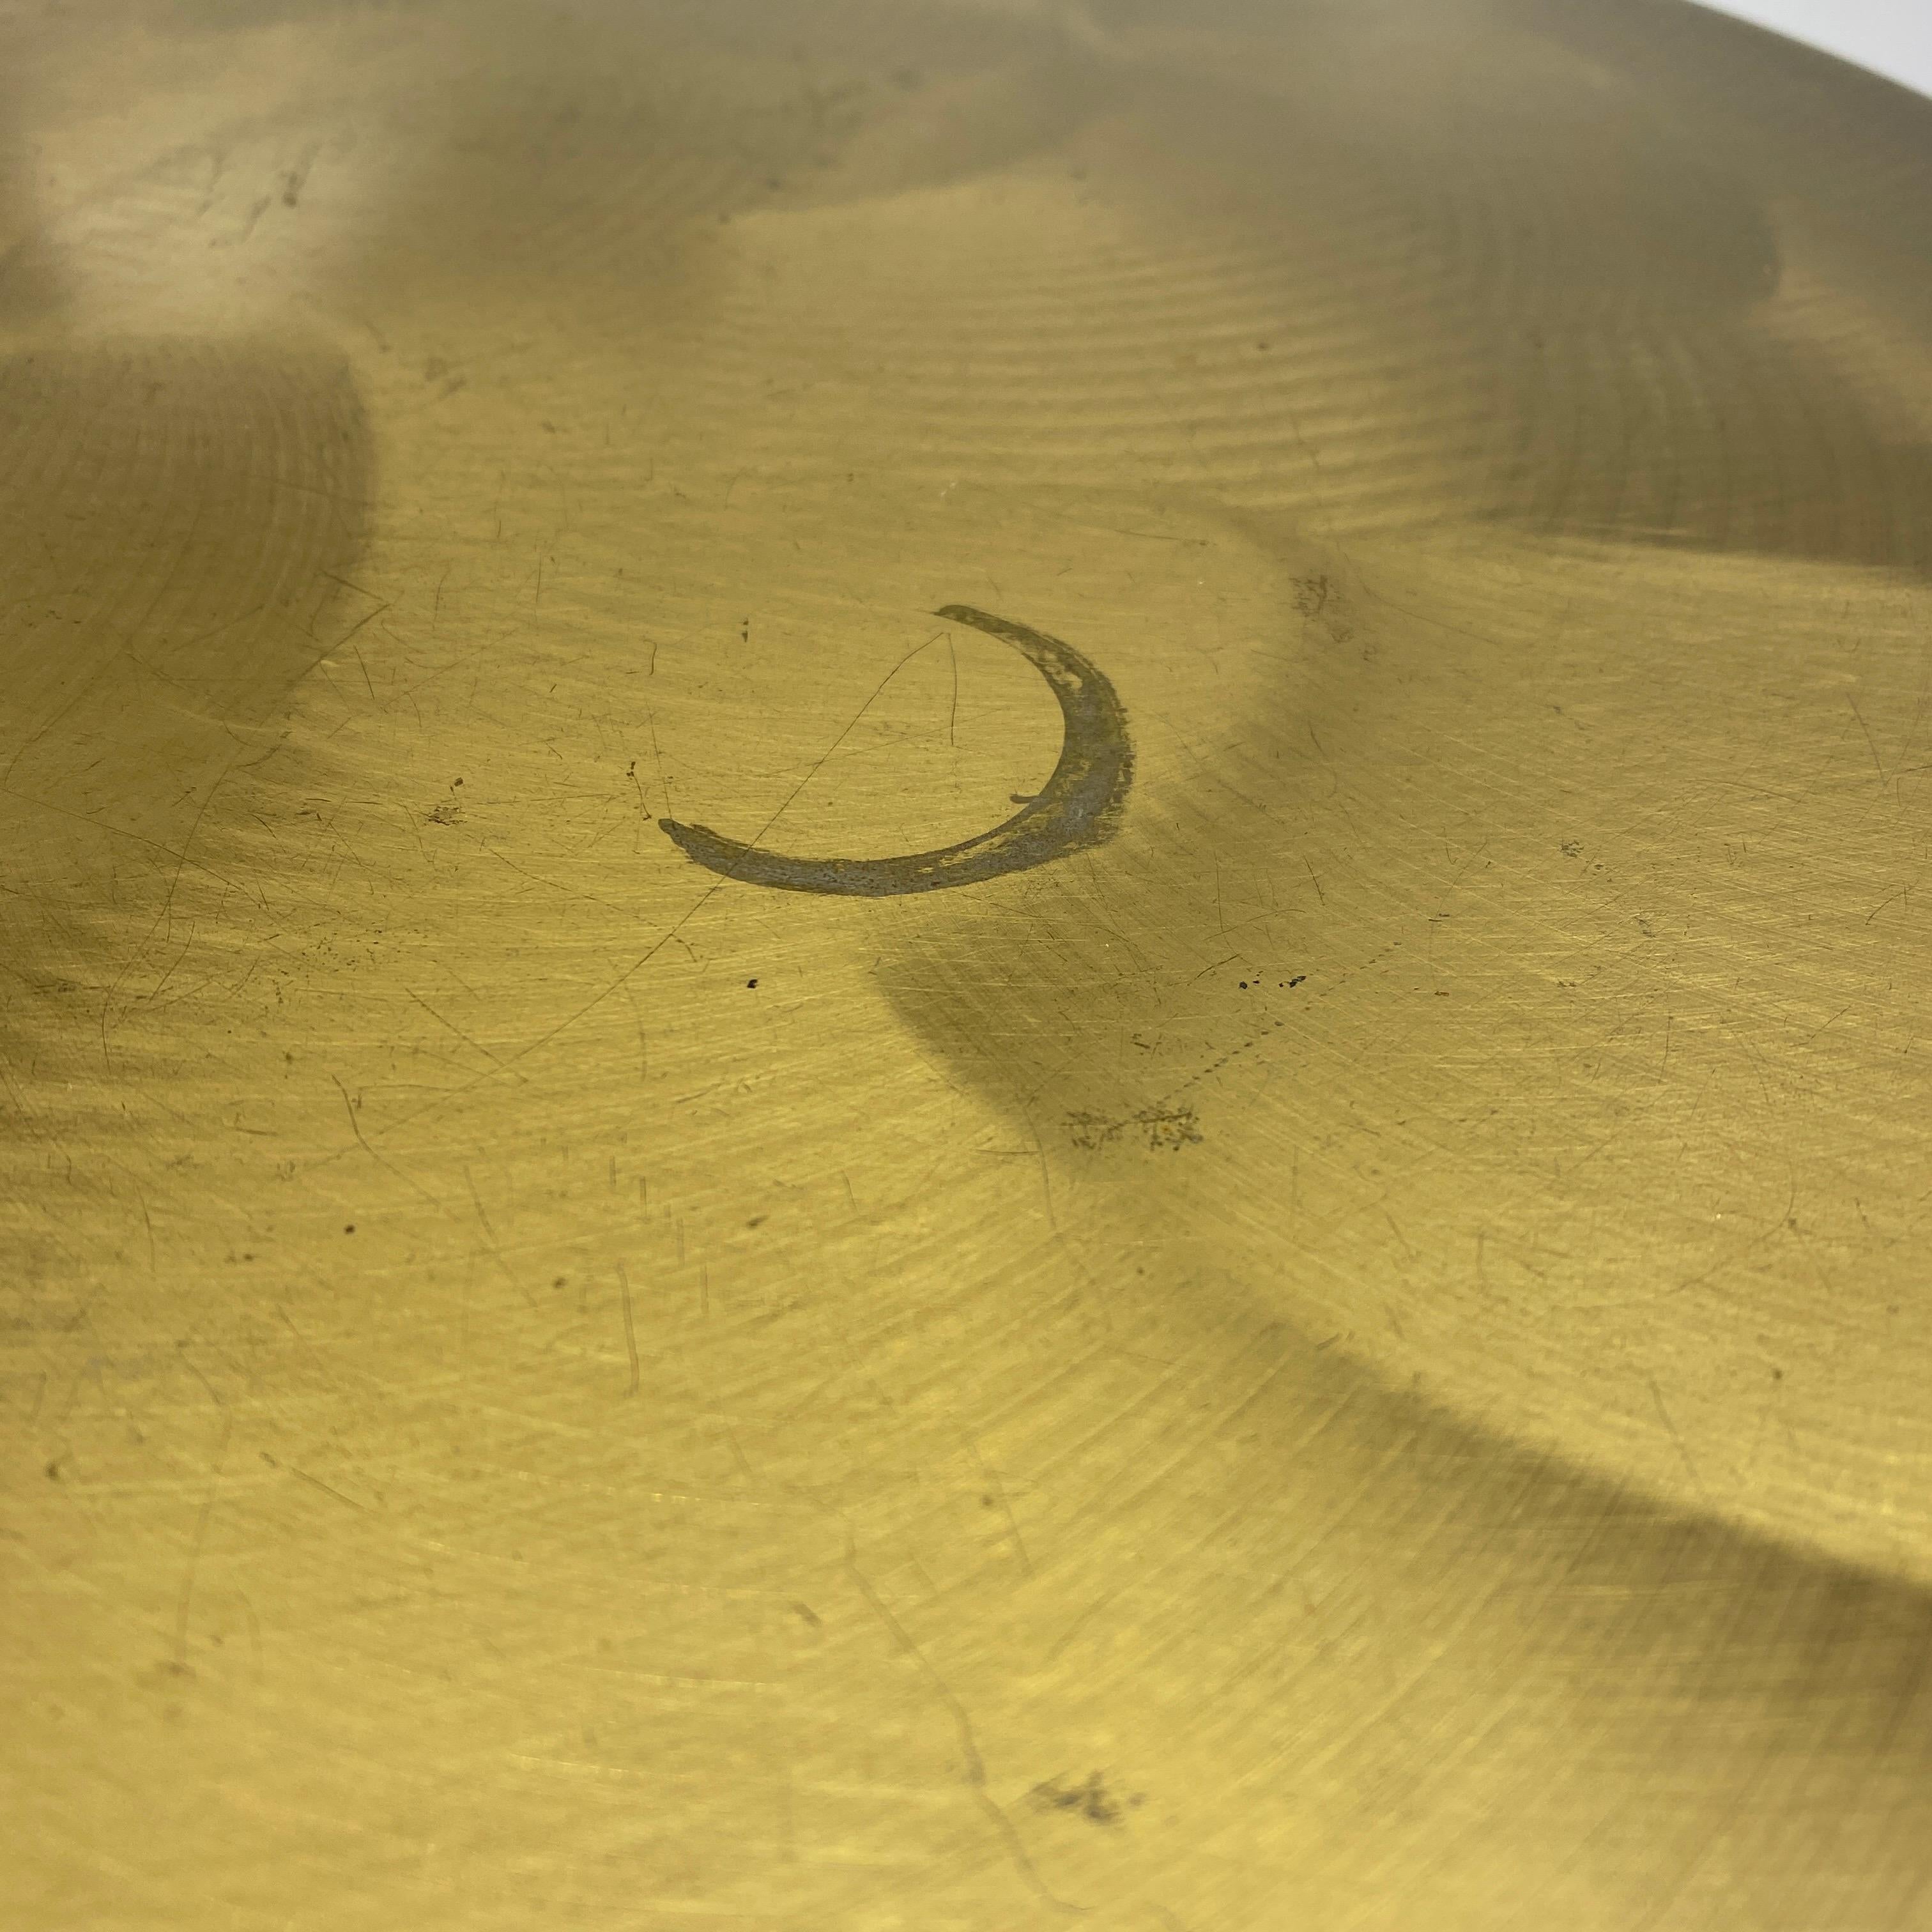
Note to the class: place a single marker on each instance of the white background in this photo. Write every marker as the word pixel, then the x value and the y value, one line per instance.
pixel 1894 36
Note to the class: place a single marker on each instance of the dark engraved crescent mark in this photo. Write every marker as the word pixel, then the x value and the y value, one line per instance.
pixel 1079 806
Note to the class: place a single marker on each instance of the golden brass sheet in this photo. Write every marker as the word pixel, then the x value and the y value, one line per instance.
pixel 1339 1340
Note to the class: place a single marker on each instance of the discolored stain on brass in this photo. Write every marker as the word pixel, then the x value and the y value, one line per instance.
pixel 1079 807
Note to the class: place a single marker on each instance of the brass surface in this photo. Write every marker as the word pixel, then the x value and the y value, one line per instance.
pixel 1352 1355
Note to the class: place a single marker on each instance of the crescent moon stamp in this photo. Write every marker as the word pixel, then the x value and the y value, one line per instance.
pixel 1079 806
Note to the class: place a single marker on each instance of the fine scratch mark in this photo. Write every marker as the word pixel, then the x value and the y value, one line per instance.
pixel 452 1025
pixel 502 858
pixel 750 850
pixel 674 931
pixel 135 838
pixel 630 1329
pixel 969 1749
pixel 657 752
pixel 1079 806
pixel 201 1376
pixel 342 641
pixel 489 1228
pixel 327 1489
pixel 1153 536
pixel 1903 892
pixel 254 1635
pixel 1066 1638
pixel 992 1476
pixel 128 637
pixel 616 984
pixel 1045 1175
pixel 1676 1434
pixel 381 1160
pixel 186 1599
pixel 1832 1021
pixel 1871 743
pixel 165 917
pixel 1168 1100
